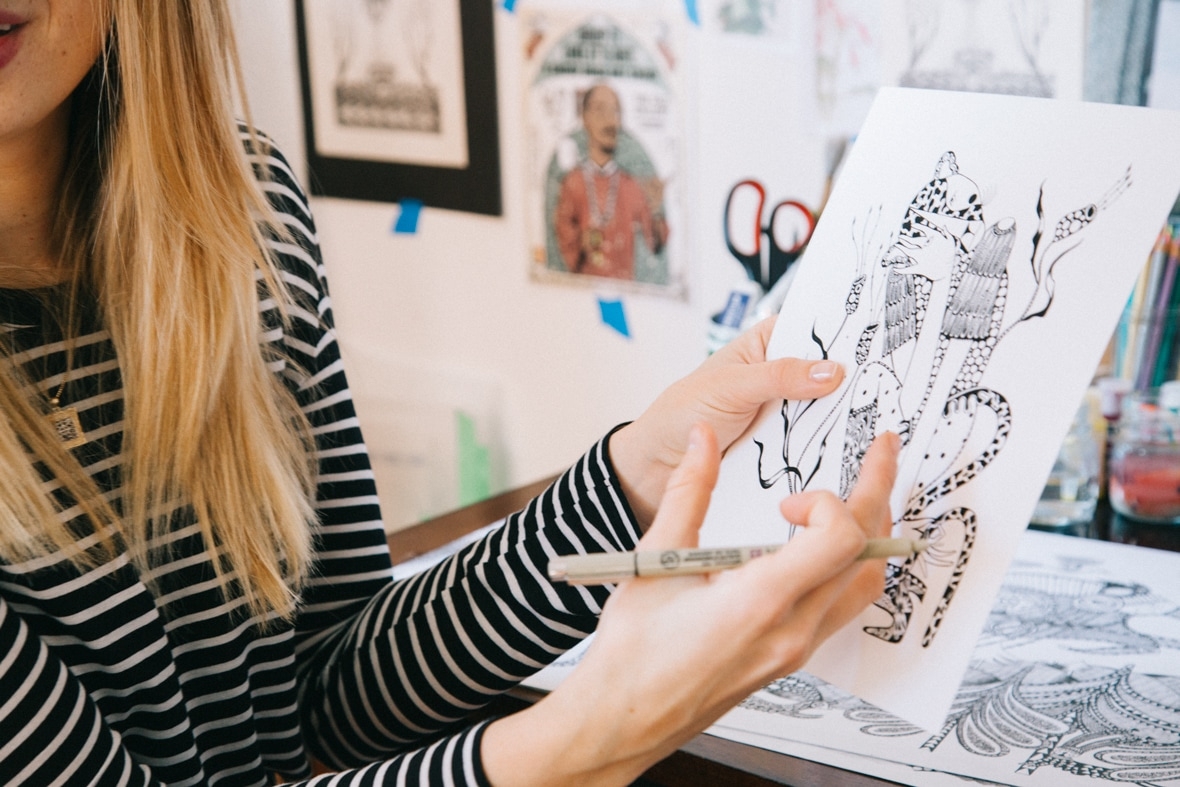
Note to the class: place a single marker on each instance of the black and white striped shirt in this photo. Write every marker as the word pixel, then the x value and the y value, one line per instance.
pixel 103 681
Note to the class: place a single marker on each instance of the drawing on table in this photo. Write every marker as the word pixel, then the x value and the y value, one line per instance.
pixel 1109 723
pixel 925 312
pixel 1033 708
pixel 1092 615
pixel 1075 673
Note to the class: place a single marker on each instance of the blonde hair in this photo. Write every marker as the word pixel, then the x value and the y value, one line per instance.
pixel 162 220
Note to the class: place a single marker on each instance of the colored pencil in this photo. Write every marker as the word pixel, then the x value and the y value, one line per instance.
pixel 1156 265
pixel 1166 360
pixel 1131 318
pixel 1157 317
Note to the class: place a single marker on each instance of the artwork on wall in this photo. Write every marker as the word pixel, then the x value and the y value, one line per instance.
pixel 604 148
pixel 1025 48
pixel 399 101
pixel 955 275
pixel 847 62
pixel 776 22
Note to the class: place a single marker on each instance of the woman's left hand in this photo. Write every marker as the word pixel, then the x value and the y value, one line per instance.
pixel 726 392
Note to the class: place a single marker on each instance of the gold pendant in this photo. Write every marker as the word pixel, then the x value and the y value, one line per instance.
pixel 68 427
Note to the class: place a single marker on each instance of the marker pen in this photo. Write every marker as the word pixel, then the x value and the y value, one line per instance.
pixel 606 567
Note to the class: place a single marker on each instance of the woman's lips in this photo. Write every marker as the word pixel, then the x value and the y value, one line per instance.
pixel 10 30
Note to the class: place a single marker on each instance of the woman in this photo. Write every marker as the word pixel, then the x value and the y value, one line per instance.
pixel 194 583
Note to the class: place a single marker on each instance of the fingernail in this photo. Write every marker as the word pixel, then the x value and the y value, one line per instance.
pixel 822 371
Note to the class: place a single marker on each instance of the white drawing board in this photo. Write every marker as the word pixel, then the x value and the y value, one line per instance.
pixel 968 271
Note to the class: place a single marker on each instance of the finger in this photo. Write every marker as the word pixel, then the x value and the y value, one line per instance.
pixel 833 587
pixel 782 378
pixel 869 500
pixel 820 611
pixel 742 388
pixel 865 587
pixel 836 602
pixel 828 546
pixel 811 620
pixel 750 345
pixel 796 378
pixel 686 498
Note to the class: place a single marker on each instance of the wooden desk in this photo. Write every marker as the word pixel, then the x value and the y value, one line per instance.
pixel 705 760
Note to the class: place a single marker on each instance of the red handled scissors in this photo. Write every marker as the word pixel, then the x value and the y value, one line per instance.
pixel 788 229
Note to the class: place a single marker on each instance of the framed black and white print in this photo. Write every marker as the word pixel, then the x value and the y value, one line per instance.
pixel 399 100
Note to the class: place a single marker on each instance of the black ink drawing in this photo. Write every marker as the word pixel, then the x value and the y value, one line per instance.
pixel 370 90
pixel 1112 721
pixel 1108 723
pixel 976 64
pixel 923 316
pixel 1087 615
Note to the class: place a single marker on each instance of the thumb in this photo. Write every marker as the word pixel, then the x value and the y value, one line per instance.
pixel 686 498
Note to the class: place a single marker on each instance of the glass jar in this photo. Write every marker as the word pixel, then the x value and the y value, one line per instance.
pixel 1071 492
pixel 1145 456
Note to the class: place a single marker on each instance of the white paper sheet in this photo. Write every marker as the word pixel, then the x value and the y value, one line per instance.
pixel 968 271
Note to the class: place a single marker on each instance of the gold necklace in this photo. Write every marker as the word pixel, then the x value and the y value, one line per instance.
pixel 64 420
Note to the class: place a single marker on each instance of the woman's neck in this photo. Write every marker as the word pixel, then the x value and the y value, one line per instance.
pixel 32 163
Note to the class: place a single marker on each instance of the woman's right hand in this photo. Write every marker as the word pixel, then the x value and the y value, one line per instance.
pixel 672 655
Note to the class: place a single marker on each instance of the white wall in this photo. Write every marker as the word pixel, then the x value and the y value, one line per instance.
pixel 455 298
pixel 448 316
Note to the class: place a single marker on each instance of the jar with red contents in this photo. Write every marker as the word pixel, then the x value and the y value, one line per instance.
pixel 1144 472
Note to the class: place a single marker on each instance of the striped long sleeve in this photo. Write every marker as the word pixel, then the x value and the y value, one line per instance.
pixel 108 679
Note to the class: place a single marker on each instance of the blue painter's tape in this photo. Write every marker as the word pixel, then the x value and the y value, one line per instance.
pixel 614 316
pixel 509 5
pixel 407 220
pixel 690 7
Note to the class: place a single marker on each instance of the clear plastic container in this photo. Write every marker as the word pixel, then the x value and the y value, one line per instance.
pixel 1145 456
